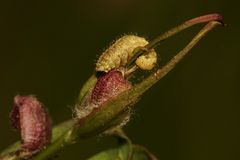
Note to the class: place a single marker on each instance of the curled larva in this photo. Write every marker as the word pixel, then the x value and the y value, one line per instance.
pixel 119 53
pixel 148 61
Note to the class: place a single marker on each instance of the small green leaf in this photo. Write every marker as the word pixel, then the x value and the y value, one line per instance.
pixel 122 152
pixel 89 84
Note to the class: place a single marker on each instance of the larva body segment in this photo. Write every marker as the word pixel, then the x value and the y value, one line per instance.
pixel 148 61
pixel 119 53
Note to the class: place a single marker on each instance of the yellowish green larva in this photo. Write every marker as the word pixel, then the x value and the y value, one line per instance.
pixel 148 61
pixel 119 53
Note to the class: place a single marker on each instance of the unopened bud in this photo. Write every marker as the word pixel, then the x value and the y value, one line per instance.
pixel 108 86
pixel 32 119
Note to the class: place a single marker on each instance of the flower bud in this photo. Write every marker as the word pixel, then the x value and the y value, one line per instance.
pixel 32 119
pixel 108 86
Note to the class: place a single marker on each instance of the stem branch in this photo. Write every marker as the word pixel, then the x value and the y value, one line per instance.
pixel 156 41
pixel 68 132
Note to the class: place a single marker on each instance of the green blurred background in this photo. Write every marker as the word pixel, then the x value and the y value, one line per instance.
pixel 48 48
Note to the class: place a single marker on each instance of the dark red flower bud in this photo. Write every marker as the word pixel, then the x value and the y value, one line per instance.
pixel 32 119
pixel 108 86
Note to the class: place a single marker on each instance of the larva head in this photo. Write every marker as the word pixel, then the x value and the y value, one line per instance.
pixel 119 53
pixel 148 61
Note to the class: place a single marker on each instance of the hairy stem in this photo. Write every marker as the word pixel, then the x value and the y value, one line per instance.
pixel 156 41
pixel 151 80
pixel 68 133
pixel 72 135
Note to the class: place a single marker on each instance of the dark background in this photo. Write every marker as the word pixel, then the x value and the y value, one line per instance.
pixel 48 48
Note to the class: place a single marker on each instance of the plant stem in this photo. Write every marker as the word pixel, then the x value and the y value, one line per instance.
pixel 151 80
pixel 72 135
pixel 156 41
pixel 68 133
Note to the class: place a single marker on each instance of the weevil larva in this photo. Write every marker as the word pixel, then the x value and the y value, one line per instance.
pixel 119 53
